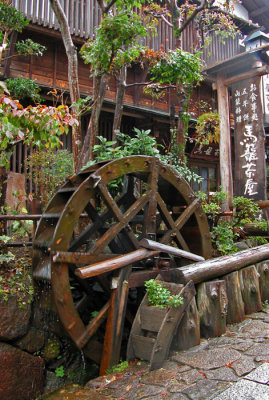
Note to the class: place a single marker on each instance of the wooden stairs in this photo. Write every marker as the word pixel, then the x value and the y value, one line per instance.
pixel 154 328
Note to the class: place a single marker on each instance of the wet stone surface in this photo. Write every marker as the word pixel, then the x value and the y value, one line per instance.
pixel 259 349
pixel 222 374
pixel 234 366
pixel 214 358
pixel 244 390
pixel 260 375
pixel 204 389
pixel 243 366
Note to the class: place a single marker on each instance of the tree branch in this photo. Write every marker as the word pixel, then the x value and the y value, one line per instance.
pixel 150 83
pixel 159 15
pixel 166 21
pixel 104 8
pixel 192 16
pixel 108 7
pixel 73 81
pixel 137 84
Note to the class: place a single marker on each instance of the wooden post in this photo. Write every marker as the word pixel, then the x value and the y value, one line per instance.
pixel 226 177
pixel 3 191
pixel 249 281
pixel 212 306
pixel 115 320
pixel 188 333
pixel 235 311
pixel 263 271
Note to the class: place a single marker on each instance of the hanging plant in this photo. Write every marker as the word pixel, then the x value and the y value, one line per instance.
pixel 208 128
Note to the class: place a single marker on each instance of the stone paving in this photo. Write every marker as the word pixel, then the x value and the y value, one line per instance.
pixel 234 366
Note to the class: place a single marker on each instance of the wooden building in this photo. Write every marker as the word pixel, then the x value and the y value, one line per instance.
pixel 141 111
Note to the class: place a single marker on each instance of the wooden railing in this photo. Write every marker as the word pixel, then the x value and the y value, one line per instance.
pixel 85 15
pixel 82 15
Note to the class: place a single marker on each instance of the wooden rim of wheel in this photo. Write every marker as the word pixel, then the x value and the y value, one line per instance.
pixel 55 236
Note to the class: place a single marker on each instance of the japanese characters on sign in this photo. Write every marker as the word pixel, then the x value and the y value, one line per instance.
pixel 209 152
pixel 265 80
pixel 249 140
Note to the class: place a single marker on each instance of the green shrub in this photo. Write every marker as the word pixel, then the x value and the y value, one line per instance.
pixel 23 88
pixel 159 296
pixel 49 170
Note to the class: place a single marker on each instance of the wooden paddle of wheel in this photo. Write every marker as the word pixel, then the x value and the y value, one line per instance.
pixel 88 244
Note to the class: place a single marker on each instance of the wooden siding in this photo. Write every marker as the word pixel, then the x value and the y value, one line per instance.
pixel 85 15
pixel 82 15
pixel 221 49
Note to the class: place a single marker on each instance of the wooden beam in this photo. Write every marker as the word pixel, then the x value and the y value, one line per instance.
pixel 246 75
pixel 79 258
pixel 217 267
pixel 114 263
pixel 151 244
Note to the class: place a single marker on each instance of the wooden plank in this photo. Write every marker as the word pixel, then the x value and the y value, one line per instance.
pixel 115 320
pixel 151 244
pixel 40 19
pixel 76 18
pixel 187 213
pixel 247 75
pixel 93 350
pixel 143 346
pixel 35 12
pixel 152 317
pixel 71 9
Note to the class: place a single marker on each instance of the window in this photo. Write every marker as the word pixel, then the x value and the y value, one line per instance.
pixel 210 178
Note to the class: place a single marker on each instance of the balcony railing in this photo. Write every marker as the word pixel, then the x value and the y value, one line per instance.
pixel 85 15
pixel 82 15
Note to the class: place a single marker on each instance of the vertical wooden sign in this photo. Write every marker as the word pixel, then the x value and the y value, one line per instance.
pixel 249 140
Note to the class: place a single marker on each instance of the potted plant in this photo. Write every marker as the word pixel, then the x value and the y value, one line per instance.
pixel 161 296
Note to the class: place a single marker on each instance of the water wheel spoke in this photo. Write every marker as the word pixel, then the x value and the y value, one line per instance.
pixel 123 219
pixel 98 222
pixel 150 191
pixel 93 326
pixel 173 233
pixel 183 218
pixel 116 246
pixel 112 205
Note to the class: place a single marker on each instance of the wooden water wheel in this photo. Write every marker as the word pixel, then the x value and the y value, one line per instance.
pixel 90 221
